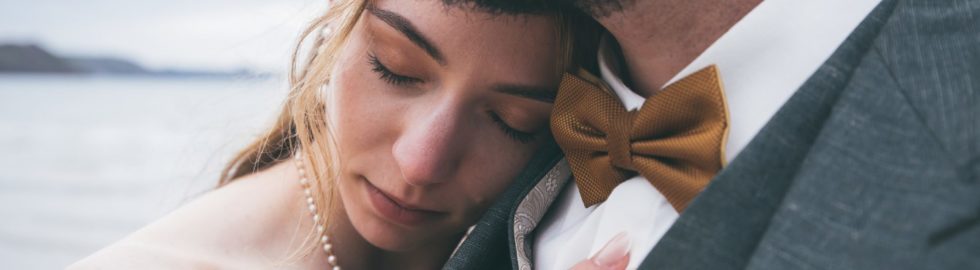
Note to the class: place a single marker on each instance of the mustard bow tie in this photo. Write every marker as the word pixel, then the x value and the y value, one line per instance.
pixel 675 140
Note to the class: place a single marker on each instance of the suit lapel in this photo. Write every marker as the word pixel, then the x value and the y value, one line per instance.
pixel 531 209
pixel 490 244
pixel 722 227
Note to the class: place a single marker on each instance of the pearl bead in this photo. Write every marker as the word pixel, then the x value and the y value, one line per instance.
pixel 311 204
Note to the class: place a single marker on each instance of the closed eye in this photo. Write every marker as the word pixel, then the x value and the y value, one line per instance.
pixel 517 135
pixel 387 75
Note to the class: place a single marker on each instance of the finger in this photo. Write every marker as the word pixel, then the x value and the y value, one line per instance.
pixel 614 255
pixel 585 265
pixel 615 251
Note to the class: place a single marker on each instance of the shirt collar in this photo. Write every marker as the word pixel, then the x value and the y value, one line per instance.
pixel 609 69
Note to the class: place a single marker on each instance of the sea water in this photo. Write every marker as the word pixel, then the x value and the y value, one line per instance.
pixel 85 160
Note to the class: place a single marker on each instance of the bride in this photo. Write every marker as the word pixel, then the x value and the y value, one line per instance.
pixel 404 121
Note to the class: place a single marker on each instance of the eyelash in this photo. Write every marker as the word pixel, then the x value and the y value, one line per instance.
pixel 386 75
pixel 517 135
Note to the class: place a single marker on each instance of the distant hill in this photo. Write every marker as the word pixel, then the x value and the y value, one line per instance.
pixel 106 65
pixel 31 58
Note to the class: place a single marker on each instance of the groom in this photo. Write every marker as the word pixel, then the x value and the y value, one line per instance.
pixel 763 135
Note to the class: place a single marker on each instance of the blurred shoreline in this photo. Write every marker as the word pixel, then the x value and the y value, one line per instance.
pixel 34 59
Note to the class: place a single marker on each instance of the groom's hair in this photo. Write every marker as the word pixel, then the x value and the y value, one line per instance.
pixel 586 31
pixel 595 8
pixel 508 7
pixel 600 8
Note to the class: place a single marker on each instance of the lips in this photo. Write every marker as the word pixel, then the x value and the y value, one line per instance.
pixel 397 211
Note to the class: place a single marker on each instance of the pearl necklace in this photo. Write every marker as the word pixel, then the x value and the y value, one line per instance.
pixel 311 204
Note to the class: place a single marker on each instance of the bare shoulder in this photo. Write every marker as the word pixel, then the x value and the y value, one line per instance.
pixel 235 225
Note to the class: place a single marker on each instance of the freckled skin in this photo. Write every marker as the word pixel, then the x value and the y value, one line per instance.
pixel 433 144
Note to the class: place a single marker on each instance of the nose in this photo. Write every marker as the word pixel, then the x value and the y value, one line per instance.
pixel 428 150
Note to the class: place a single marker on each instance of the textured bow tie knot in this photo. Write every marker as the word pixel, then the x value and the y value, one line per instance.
pixel 674 140
pixel 618 140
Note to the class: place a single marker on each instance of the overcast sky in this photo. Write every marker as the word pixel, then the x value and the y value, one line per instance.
pixel 187 34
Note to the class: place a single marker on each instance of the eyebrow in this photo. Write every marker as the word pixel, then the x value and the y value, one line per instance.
pixel 536 93
pixel 408 29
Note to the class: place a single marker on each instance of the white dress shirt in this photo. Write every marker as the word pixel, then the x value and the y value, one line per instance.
pixel 763 59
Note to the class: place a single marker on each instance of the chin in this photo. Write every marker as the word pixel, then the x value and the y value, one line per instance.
pixel 390 237
pixel 391 240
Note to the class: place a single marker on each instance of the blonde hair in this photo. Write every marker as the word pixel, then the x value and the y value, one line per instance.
pixel 302 123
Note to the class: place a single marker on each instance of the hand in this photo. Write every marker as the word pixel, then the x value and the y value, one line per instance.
pixel 615 255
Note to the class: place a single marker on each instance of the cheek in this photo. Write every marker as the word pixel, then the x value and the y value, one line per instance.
pixel 358 119
pixel 493 172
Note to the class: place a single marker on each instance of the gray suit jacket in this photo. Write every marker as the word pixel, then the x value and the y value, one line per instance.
pixel 874 163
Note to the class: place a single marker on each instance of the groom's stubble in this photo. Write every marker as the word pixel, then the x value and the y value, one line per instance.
pixel 658 38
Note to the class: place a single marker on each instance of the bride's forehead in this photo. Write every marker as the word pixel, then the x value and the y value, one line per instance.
pixel 443 15
pixel 464 37
pixel 464 25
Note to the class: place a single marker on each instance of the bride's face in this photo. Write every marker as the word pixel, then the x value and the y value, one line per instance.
pixel 435 110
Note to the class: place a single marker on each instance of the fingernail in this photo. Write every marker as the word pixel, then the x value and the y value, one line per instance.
pixel 614 251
